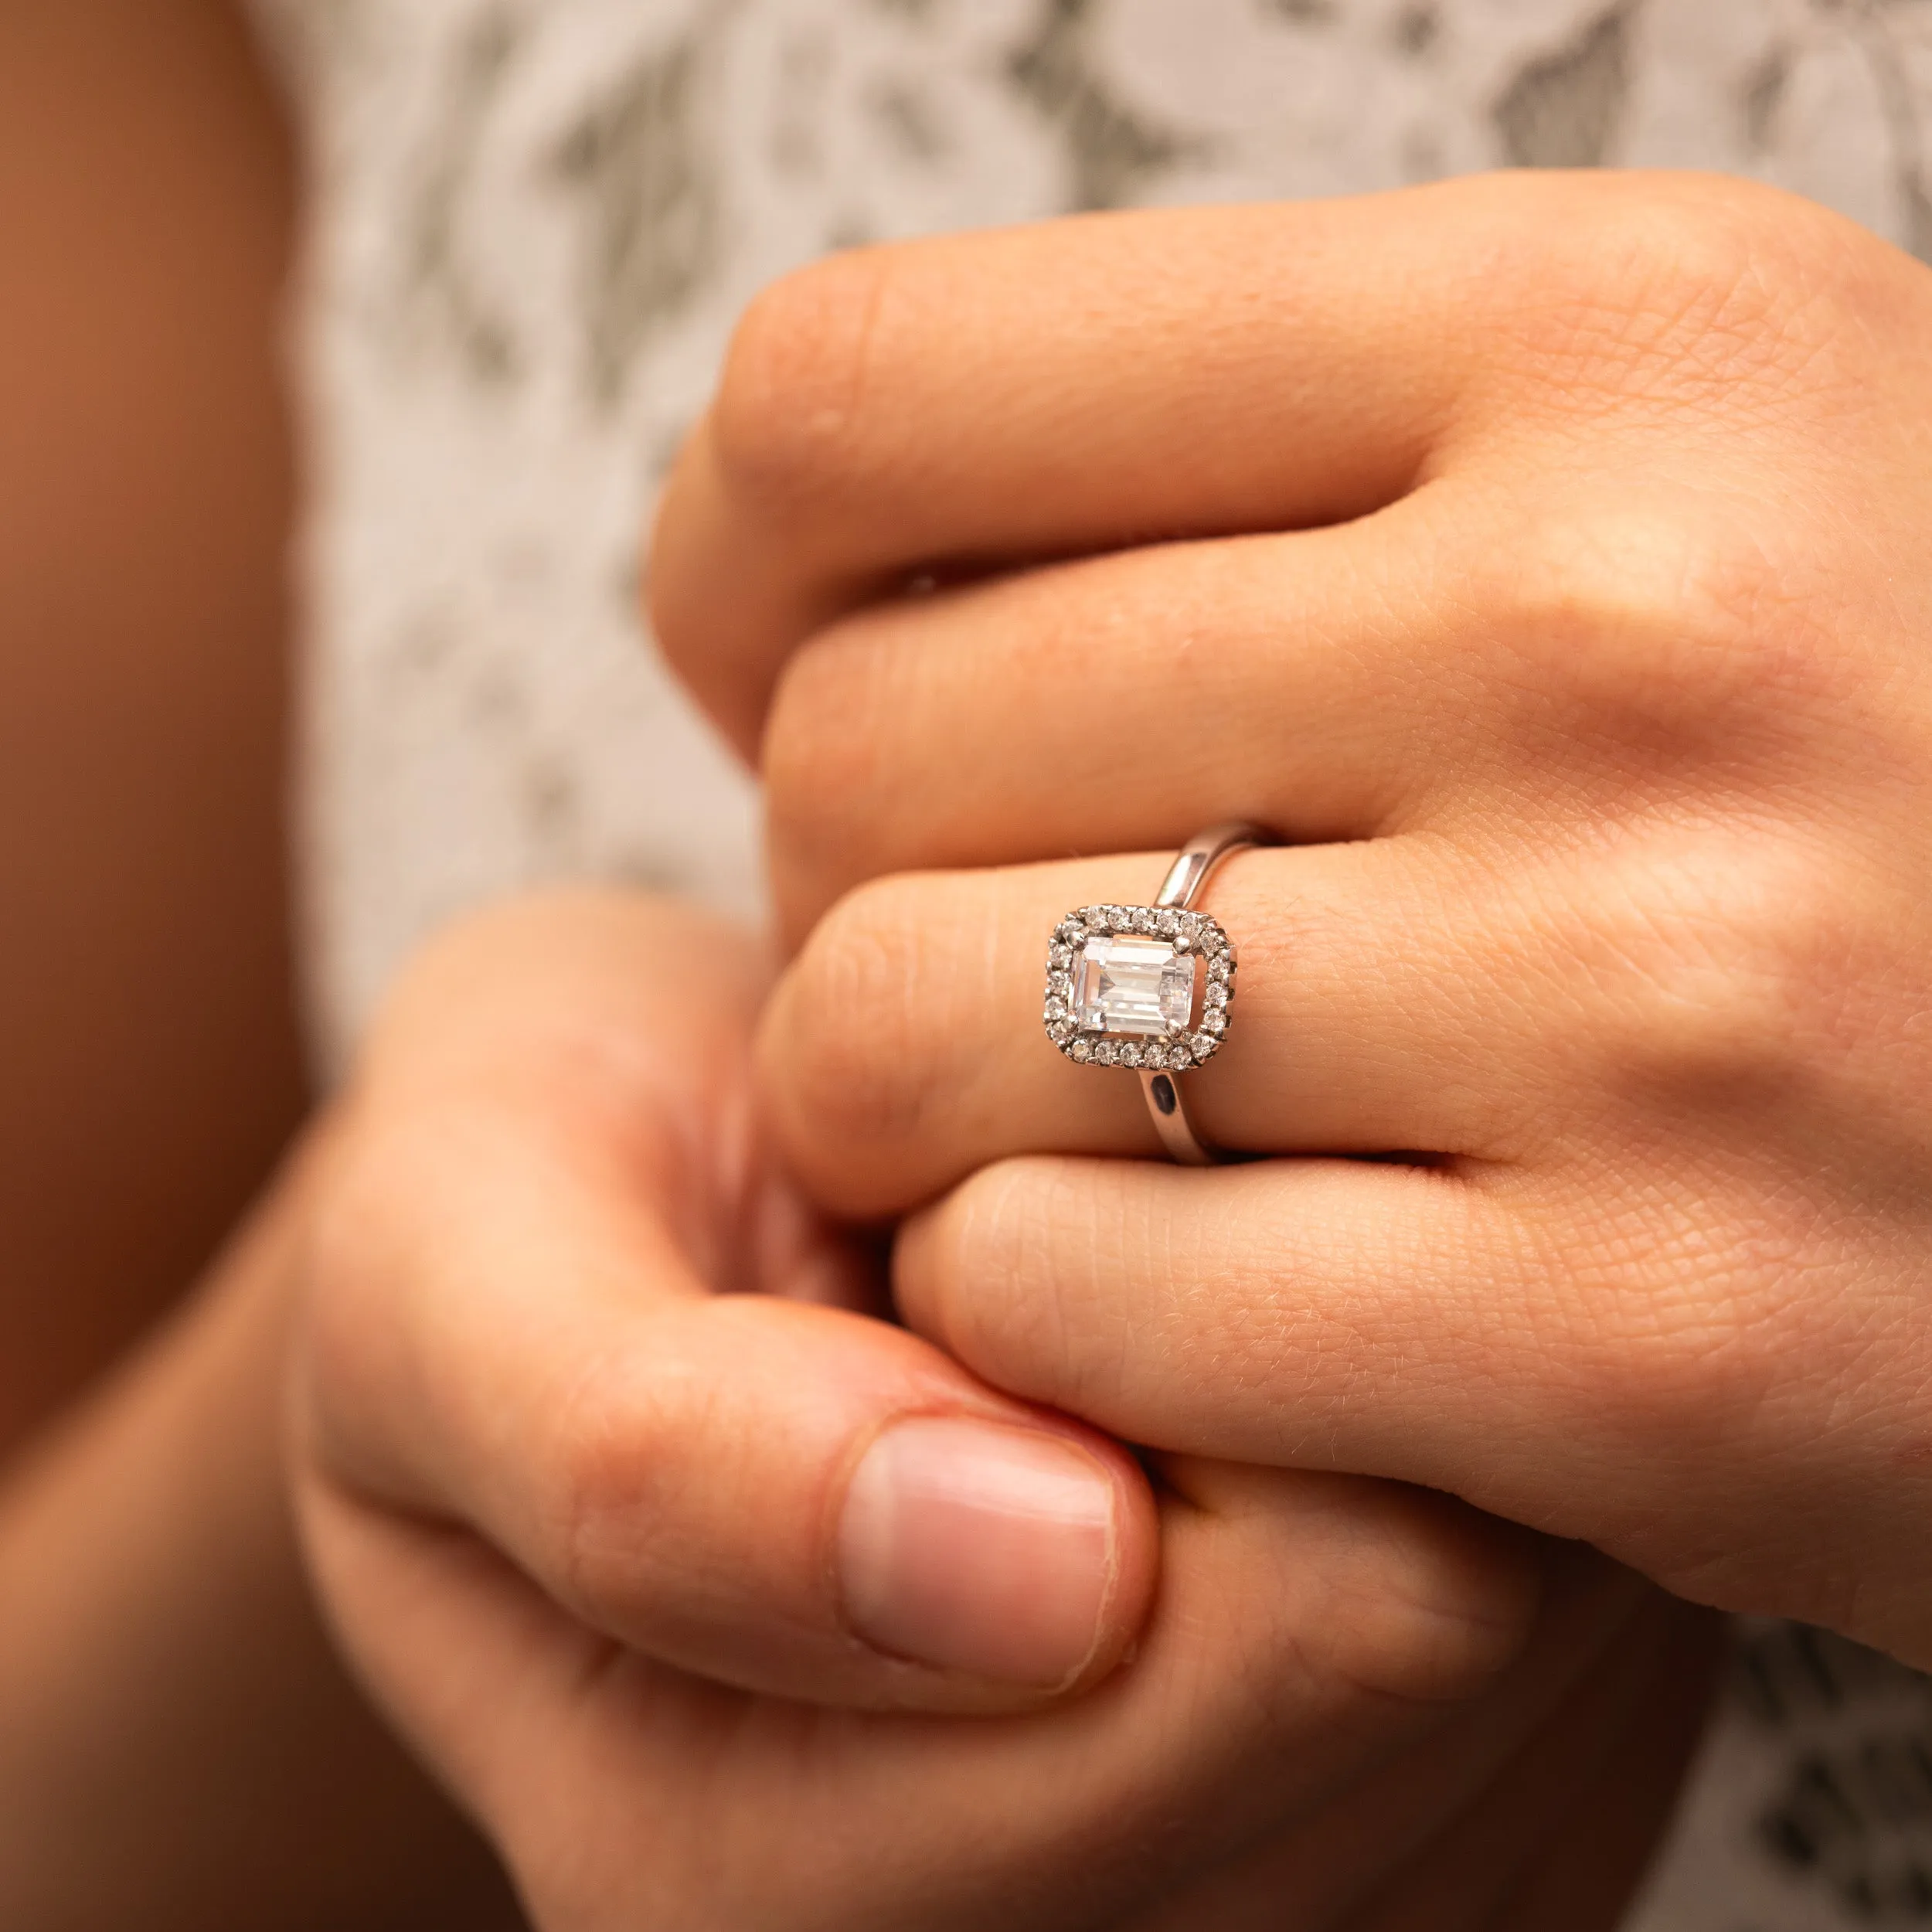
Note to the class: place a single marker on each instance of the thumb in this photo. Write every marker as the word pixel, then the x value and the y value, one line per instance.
pixel 501 1333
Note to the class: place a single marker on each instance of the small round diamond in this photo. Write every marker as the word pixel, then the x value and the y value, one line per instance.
pixel 1141 919
pixel 1081 1049
pixel 1180 1057
pixel 1214 1022
pixel 1220 971
pixel 1204 1045
pixel 1153 1056
pixel 1105 1053
pixel 1128 1056
pixel 1216 994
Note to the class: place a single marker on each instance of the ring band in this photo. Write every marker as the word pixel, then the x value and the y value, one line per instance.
pixel 1122 986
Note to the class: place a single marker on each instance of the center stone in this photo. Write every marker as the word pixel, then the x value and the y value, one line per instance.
pixel 1140 986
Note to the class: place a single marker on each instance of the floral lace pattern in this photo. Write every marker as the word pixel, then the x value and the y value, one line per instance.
pixel 536 220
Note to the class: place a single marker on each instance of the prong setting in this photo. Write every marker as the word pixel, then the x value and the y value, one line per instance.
pixel 1114 987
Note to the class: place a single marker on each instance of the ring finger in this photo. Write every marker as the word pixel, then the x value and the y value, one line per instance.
pixel 1396 994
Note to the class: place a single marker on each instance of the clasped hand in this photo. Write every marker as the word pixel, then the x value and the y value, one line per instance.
pixel 1541 558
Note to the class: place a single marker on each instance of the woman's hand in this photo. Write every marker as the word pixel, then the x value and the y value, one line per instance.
pixel 723 1604
pixel 1546 558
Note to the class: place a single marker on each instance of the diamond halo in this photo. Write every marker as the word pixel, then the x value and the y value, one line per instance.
pixel 1122 988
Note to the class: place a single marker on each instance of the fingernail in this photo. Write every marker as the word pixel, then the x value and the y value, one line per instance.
pixel 979 1548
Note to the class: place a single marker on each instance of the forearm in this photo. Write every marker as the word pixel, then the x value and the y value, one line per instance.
pixel 178 1745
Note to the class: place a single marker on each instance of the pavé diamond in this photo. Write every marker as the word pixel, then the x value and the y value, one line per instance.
pixel 1138 986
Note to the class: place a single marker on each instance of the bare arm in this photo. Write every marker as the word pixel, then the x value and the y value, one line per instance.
pixel 151 1065
pixel 177 1746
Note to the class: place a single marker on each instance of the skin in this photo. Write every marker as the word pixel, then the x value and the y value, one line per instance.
pixel 571 1449
pixel 1542 558
pixel 146 1021
pixel 179 1747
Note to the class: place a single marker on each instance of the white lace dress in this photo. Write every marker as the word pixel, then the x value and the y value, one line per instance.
pixel 534 222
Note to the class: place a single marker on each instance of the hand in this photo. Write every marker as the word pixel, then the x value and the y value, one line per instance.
pixel 1545 557
pixel 640 1527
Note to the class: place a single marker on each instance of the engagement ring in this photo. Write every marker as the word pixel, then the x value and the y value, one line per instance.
pixel 1150 987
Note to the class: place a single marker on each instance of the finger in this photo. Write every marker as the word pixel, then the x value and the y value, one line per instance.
pixel 1271 1312
pixel 789 1497
pixel 1308 1629
pixel 1448 1833
pixel 1079 385
pixel 1562 1835
pixel 1396 994
pixel 1581 1371
pixel 1425 668
pixel 1120 703
pixel 514 1330
pixel 1597 1853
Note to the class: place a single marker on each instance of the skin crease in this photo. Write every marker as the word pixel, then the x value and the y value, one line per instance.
pixel 1539 555
pixel 1349 1704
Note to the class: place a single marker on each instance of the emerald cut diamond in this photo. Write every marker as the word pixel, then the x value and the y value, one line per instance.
pixel 1118 976
pixel 1138 986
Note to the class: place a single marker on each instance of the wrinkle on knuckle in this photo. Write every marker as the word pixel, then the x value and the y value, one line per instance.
pixel 1037 1294
pixel 1410 1595
pixel 795 427
pixel 1723 958
pixel 1652 625
pixel 1684 292
pixel 603 1500
pixel 852 1039
pixel 827 751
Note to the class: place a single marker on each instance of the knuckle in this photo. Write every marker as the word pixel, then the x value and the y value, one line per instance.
pixel 1656 622
pixel 1713 278
pixel 791 426
pixel 608 1461
pixel 1730 948
pixel 993 1274
pixel 844 1045
pixel 1439 1605
pixel 825 761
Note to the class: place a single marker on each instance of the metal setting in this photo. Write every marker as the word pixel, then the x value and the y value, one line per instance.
pixel 1150 987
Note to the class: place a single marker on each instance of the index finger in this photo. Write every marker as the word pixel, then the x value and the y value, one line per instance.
pixel 1043 390
pixel 958 404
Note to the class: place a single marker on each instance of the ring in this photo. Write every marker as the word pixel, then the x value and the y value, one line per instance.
pixel 1150 987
